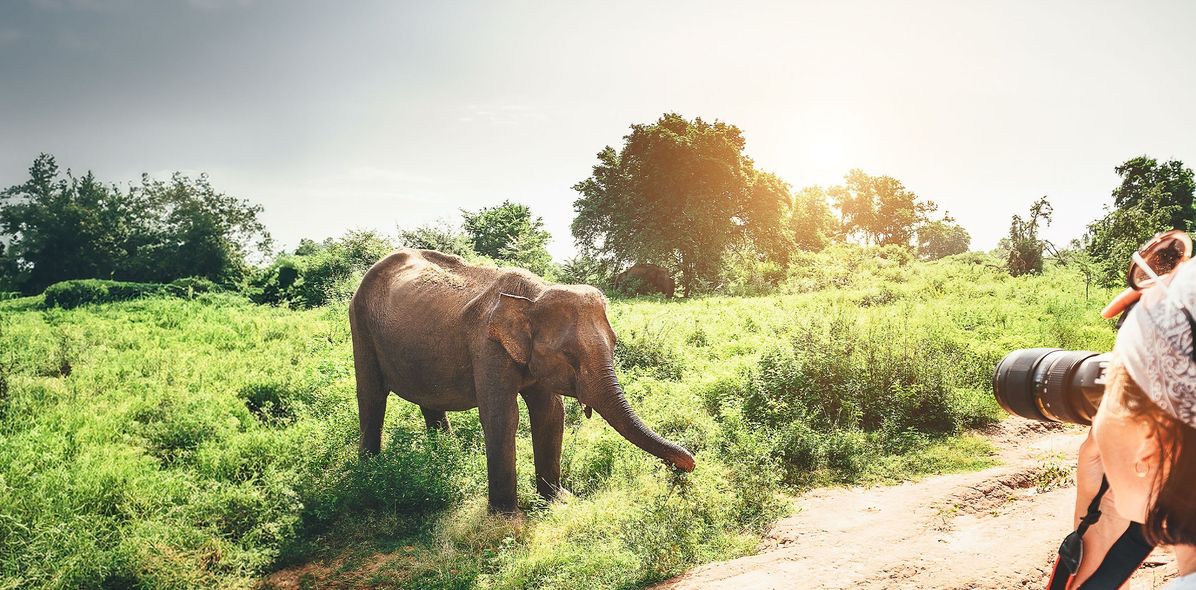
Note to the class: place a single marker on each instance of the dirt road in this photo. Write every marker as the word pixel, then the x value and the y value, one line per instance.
pixel 998 528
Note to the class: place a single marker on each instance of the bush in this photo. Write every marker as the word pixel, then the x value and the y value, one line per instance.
pixel 71 294
pixel 839 390
pixel 319 273
pixel 192 286
pixel 748 272
pixel 649 351
pixel 849 376
pixel 416 473
pixel 584 270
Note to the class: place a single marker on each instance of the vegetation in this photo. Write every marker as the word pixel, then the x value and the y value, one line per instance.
pixel 1152 197
pixel 170 442
pixel 508 232
pixel 677 194
pixel 810 220
pixel 68 294
pixel 879 209
pixel 440 236
pixel 158 428
pixel 941 238
pixel 317 273
pixel 58 227
pixel 1023 248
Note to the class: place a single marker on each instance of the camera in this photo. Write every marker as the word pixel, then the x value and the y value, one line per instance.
pixel 1051 384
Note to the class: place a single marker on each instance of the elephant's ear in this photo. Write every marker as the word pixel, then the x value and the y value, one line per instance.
pixel 510 327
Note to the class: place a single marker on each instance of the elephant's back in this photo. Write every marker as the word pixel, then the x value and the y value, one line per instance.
pixel 410 279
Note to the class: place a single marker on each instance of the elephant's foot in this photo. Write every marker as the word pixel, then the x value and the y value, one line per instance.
pixel 552 493
pixel 511 510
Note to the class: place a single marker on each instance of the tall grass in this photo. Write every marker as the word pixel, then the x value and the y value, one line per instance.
pixel 171 443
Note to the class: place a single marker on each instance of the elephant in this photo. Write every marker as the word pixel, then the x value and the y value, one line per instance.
pixel 451 336
pixel 643 278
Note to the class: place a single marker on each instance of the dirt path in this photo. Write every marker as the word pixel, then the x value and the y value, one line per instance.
pixel 997 528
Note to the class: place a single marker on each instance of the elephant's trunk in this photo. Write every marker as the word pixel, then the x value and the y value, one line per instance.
pixel 611 404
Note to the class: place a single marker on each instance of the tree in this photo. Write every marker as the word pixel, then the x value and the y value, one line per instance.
pixel 810 221
pixel 879 209
pixel 440 236
pixel 188 228
pixel 677 194
pixel 509 233
pixel 1146 183
pixel 1023 247
pixel 944 237
pixel 1151 198
pixel 760 220
pixel 60 227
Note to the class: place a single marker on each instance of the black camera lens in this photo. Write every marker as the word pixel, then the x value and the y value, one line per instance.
pixel 1050 384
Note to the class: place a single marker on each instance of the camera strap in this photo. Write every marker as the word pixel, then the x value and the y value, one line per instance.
pixel 1123 558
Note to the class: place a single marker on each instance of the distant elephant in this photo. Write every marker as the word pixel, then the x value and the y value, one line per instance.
pixel 644 278
pixel 447 335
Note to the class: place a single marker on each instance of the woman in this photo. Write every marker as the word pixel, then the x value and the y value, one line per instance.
pixel 1143 438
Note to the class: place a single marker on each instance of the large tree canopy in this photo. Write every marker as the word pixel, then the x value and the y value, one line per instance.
pixel 1152 197
pixel 1148 184
pixel 879 209
pixel 678 193
pixel 58 226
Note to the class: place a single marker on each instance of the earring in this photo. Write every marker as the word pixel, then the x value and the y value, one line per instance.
pixel 1137 471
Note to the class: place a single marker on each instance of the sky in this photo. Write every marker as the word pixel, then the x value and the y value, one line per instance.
pixel 380 115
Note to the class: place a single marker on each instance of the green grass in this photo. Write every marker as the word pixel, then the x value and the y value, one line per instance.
pixel 172 443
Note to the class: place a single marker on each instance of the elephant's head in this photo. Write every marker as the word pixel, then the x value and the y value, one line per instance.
pixel 567 345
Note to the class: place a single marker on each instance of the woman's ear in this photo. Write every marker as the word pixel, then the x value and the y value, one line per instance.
pixel 1149 453
pixel 510 327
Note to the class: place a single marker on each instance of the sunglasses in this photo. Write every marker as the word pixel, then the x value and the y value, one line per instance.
pixel 1154 261
pixel 1158 257
pixel 1150 266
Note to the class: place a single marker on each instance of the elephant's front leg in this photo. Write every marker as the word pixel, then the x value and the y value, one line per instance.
pixel 499 414
pixel 547 413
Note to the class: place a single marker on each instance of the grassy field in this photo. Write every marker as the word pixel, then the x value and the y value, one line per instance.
pixel 207 442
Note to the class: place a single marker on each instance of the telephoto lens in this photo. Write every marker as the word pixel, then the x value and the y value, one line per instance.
pixel 1051 384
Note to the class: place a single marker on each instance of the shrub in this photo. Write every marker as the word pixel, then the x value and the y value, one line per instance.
pixel 747 272
pixel 319 273
pixel 584 270
pixel 649 351
pixel 274 403
pixel 71 294
pixel 839 390
pixel 897 253
pixel 416 473
pixel 192 286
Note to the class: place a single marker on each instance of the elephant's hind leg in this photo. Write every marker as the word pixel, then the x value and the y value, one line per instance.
pixel 371 396
pixel 436 420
